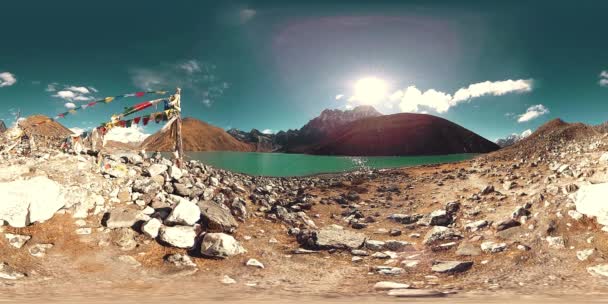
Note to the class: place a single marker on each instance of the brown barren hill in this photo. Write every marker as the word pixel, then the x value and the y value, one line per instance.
pixel 197 136
pixel 41 125
pixel 402 134
pixel 551 135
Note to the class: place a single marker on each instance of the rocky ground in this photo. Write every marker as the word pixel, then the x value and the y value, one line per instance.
pixel 140 228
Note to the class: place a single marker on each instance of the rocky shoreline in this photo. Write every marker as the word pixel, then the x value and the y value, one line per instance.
pixel 483 225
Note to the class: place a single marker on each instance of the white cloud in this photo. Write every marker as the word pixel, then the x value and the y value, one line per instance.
pixel 268 131
pixel 496 88
pixel 245 15
pixel 93 89
pixel 82 98
pixel 533 112
pixel 412 99
pixel 526 133
pixel 134 134
pixel 604 79
pixel 69 105
pixel 68 95
pixel 81 90
pixel 7 79
pixel 339 96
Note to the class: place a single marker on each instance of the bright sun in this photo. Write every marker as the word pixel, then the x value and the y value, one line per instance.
pixel 370 90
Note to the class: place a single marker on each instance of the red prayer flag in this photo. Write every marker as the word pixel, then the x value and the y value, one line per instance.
pixel 146 120
pixel 136 120
pixel 140 94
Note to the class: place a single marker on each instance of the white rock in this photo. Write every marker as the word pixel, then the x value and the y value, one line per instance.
pixel 575 214
pixel 604 157
pixel 178 236
pixel 591 201
pixel 20 206
pixel 83 231
pixel 228 280
pixel 599 270
pixel 8 273
pixel 17 240
pixel 254 263
pixel 156 169
pixel 185 213
pixel 583 255
pixel 151 228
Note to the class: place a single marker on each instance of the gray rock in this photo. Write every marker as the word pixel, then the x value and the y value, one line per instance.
pixel 175 173
pixel 474 226
pixel 217 218
pixel 374 245
pixel 436 218
pixel 123 218
pixel 556 242
pixel 493 247
pixel 405 218
pixel 220 245
pixel 398 246
pixel 440 233
pixel 180 260
pixel 467 249
pixel 178 236
pixel 506 224
pixel 182 190
pixel 452 266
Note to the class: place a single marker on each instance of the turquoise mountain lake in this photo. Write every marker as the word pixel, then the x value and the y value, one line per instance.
pixel 282 165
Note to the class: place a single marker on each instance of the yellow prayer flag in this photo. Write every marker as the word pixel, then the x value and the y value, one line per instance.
pixel 108 99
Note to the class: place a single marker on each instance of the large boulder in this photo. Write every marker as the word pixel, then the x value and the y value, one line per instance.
pixel 178 236
pixel 184 213
pixel 591 201
pixel 220 245
pixel 332 237
pixel 216 217
pixel 28 201
pixel 156 169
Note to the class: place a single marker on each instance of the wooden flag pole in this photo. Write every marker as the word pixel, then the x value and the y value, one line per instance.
pixel 179 146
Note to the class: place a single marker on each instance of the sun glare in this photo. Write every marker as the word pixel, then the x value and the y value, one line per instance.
pixel 370 90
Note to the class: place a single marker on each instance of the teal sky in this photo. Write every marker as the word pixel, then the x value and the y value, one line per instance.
pixel 277 64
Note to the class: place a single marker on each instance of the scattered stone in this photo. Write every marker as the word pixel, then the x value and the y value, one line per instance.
pixel 178 236
pixel 468 249
pixel 228 280
pixel 388 270
pixel 575 215
pixel 598 270
pixel 129 260
pixel 39 250
pixel 332 236
pixel 180 260
pixel 487 190
pixel 359 252
pixel 156 169
pixel 125 239
pixel 493 247
pixel 254 263
pixel 584 255
pixel 9 273
pixel 374 245
pixel 386 285
pixel 17 240
pixel 506 224
pixel 452 266
pixel 556 242
pixel 440 233
pixel 474 226
pixel 398 246
pixel 84 231
pixel 220 245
